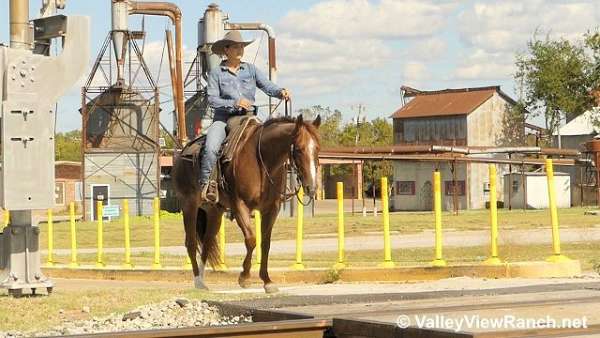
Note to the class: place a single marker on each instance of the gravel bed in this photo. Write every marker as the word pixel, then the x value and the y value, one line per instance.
pixel 173 313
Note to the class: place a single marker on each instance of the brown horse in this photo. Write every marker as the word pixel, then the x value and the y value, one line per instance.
pixel 256 180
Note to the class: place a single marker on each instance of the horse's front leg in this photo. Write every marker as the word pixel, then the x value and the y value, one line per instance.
pixel 242 216
pixel 268 219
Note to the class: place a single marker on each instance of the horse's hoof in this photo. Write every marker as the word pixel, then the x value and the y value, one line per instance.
pixel 271 288
pixel 199 284
pixel 244 282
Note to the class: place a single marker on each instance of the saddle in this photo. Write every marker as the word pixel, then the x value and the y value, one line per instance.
pixel 238 129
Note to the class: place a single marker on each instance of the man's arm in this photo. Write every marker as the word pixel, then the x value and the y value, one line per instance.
pixel 264 84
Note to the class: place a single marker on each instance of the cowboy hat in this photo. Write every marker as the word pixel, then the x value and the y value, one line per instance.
pixel 231 37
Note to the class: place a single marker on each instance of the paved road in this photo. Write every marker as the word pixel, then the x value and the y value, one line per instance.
pixel 375 242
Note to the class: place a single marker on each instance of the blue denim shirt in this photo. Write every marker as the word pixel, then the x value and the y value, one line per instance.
pixel 225 88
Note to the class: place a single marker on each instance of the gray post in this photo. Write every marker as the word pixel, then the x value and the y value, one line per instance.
pixel 32 85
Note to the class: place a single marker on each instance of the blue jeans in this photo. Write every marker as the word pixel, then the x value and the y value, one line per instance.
pixel 215 135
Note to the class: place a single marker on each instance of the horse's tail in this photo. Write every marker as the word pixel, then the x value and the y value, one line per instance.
pixel 183 176
pixel 207 245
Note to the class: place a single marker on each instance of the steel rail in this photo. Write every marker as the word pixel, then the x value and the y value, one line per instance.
pixel 301 328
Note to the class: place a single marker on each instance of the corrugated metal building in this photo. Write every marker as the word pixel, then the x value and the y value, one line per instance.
pixel 457 117
pixel 121 151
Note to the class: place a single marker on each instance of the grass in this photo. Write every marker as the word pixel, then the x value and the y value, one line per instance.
pixel 172 233
pixel 587 252
pixel 41 312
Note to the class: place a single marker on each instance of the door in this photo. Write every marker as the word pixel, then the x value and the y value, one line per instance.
pixel 99 193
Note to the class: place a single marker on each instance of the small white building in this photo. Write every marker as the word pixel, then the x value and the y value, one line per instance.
pixel 535 190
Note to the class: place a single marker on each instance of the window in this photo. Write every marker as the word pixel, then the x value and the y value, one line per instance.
pixel 460 188
pixel 78 192
pixel 59 193
pixel 405 187
pixel 515 186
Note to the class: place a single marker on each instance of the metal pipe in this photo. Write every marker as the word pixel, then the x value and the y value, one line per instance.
pixel 272 50
pixel 172 68
pixel 174 13
pixel 20 37
pixel 447 149
pixel 442 158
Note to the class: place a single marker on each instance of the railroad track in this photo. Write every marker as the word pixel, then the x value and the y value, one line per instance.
pixel 300 328
pixel 339 328
pixel 341 320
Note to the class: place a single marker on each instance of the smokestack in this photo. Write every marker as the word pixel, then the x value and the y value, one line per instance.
pixel 213 30
pixel 120 13
pixel 19 24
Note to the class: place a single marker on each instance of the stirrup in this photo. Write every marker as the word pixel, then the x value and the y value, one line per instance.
pixel 210 192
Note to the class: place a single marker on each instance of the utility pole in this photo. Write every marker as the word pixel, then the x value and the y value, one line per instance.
pixel 360 107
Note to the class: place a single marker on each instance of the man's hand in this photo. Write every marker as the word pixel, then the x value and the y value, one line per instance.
pixel 286 95
pixel 244 104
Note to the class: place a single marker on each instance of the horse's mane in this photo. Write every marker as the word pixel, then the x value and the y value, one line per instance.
pixel 285 119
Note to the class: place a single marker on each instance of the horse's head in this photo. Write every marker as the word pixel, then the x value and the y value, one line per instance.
pixel 305 153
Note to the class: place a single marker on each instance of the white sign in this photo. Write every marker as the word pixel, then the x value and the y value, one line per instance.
pixel 110 211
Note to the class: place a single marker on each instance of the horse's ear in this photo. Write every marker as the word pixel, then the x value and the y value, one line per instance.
pixel 299 122
pixel 317 121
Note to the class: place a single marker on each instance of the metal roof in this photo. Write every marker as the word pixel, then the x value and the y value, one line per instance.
pixel 461 101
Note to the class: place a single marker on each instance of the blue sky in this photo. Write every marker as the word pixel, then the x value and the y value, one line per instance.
pixel 341 53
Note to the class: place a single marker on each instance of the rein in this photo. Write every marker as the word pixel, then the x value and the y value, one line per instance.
pixel 287 193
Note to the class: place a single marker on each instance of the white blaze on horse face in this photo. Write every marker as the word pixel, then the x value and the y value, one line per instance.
pixel 311 157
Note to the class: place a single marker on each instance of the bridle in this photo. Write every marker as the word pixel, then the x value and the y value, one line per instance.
pixel 287 193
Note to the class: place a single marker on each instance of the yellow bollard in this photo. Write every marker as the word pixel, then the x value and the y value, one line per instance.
pixel 257 222
pixel 127 230
pixel 387 245
pixel 299 231
pixel 493 259
pixel 73 263
pixel 100 216
pixel 156 264
pixel 6 218
pixel 50 261
pixel 557 256
pixel 222 266
pixel 188 262
pixel 341 262
pixel 437 207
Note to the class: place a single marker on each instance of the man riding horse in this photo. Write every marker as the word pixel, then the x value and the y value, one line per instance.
pixel 231 92
pixel 255 174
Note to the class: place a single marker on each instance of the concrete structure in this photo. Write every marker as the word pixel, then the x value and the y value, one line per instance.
pixel 28 92
pixel 456 117
pixel 534 190
pixel 121 151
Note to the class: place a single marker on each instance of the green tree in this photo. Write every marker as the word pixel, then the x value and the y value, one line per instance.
pixel 592 43
pixel 331 121
pixel 169 142
pixel 513 126
pixel 555 78
pixel 378 132
pixel 68 146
